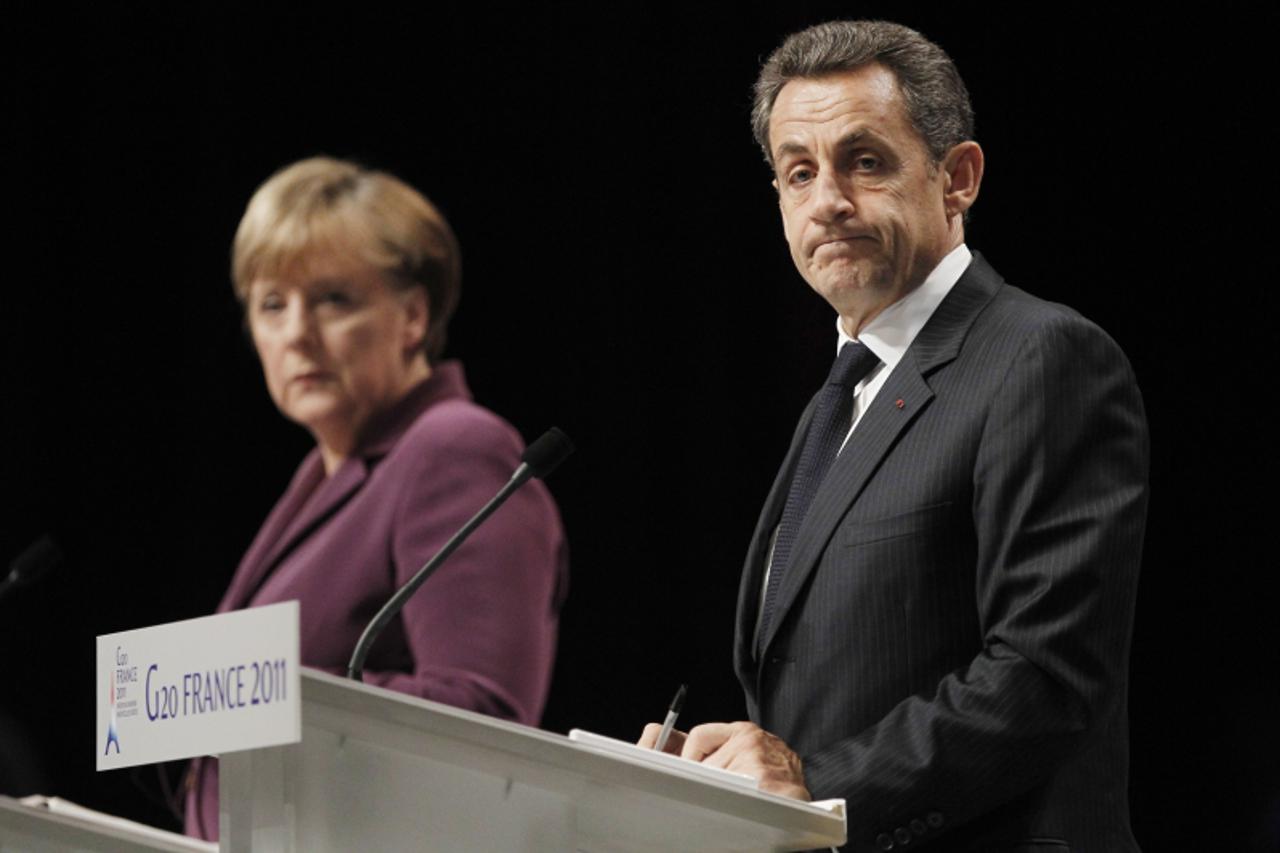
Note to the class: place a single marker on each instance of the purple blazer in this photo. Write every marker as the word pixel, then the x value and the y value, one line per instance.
pixel 481 633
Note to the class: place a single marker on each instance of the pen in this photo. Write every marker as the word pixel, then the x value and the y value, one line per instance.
pixel 669 723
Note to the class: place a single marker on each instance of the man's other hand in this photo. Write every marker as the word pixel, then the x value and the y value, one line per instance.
pixel 741 748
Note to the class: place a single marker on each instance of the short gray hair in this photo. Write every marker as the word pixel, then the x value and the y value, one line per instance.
pixel 936 99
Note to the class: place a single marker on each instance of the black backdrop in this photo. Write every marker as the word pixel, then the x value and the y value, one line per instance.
pixel 626 279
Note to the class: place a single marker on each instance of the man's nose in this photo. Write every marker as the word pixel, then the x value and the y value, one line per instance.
pixel 833 200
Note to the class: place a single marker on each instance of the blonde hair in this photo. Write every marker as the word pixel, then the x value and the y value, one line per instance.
pixel 325 203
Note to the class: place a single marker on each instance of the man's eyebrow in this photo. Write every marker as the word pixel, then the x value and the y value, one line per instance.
pixel 849 140
pixel 854 138
pixel 787 148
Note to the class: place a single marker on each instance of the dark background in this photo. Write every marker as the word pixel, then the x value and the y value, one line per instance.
pixel 627 280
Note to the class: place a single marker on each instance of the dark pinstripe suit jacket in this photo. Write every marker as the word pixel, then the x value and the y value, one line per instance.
pixel 950 647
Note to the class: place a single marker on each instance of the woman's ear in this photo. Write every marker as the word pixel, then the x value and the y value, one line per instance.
pixel 417 319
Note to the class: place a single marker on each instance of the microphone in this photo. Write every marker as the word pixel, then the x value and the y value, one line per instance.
pixel 538 460
pixel 39 558
pixel 545 455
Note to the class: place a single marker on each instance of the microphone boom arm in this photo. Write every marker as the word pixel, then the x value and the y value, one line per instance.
pixel 355 669
pixel 538 460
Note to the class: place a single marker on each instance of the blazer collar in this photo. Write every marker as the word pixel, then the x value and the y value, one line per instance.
pixel 940 340
pixel 312 498
pixel 899 402
pixel 447 381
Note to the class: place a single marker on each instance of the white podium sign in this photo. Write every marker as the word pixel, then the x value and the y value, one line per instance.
pixel 199 687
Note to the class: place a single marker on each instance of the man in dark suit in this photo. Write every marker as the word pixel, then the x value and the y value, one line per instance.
pixel 936 609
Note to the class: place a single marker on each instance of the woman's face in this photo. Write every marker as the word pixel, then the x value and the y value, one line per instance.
pixel 338 345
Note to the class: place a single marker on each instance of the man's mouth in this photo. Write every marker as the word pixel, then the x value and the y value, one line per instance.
pixel 838 244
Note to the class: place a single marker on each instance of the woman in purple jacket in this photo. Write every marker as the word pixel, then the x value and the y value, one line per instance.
pixel 348 278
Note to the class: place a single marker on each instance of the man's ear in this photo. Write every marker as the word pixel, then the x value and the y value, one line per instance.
pixel 963 166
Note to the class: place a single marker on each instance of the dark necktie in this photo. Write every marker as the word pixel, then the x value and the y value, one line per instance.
pixel 832 418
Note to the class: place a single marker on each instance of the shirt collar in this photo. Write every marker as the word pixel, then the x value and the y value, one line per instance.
pixel 891 332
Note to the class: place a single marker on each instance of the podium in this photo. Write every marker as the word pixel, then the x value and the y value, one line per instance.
pixel 378 770
pixel 69 828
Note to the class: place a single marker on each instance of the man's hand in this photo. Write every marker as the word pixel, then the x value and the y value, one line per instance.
pixel 649 739
pixel 741 748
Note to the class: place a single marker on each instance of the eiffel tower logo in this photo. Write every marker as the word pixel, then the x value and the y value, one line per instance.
pixel 112 736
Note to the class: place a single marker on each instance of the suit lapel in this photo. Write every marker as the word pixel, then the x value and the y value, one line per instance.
pixel 871 441
pixel 758 549
pixel 310 500
pixel 898 403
